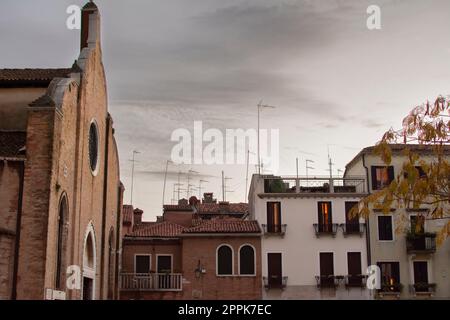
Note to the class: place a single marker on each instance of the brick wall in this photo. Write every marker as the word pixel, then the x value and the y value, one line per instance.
pixel 211 286
pixel 9 193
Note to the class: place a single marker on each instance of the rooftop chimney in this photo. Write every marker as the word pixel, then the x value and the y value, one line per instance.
pixel 183 202
pixel 224 206
pixel 208 198
pixel 137 216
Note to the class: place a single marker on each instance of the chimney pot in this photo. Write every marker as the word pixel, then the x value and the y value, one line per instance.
pixel 137 216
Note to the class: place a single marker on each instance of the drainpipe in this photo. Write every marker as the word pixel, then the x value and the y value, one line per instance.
pixel 369 255
pixel 105 194
pixel 118 241
pixel 18 225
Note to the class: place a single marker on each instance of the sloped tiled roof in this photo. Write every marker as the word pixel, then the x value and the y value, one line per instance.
pixel 177 207
pixel 12 144
pixel 214 208
pixel 225 226
pixel 31 76
pixel 127 213
pixel 157 229
pixel 398 148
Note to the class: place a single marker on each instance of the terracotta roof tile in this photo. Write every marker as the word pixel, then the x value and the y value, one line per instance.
pixel 127 213
pixel 157 229
pixel 12 144
pixel 40 77
pixel 214 208
pixel 225 226
pixel 177 207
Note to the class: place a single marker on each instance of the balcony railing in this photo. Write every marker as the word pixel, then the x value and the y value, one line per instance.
pixel 421 243
pixel 151 281
pixel 353 228
pixel 394 288
pixel 275 284
pixel 325 229
pixel 355 280
pixel 423 288
pixel 274 184
pixel 328 281
pixel 274 230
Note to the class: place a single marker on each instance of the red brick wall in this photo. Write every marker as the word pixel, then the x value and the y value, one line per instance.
pixel 181 218
pixel 9 192
pixel 211 286
pixel 36 203
pixel 147 247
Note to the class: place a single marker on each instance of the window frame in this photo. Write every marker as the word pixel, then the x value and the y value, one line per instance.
pixel 392 227
pixel 217 260
pixel 254 261
pixel 373 170
pixel 149 259
pixel 164 255
pixel 273 228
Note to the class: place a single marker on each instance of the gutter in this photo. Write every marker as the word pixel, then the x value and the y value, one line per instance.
pixel 118 240
pixel 105 195
pixel 368 247
pixel 217 234
pixel 18 227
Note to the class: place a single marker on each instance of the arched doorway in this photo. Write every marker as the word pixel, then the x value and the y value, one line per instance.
pixel 89 264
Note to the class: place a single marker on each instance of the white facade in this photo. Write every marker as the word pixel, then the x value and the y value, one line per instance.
pixel 395 250
pixel 300 246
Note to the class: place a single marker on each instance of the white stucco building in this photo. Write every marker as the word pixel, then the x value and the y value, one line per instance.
pixel 412 266
pixel 310 248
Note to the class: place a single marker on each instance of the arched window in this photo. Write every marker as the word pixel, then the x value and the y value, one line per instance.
pixel 61 243
pixel 247 260
pixel 224 260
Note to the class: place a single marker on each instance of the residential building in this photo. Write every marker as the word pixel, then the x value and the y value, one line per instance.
pixel 411 264
pixel 213 258
pixel 312 247
pixel 60 189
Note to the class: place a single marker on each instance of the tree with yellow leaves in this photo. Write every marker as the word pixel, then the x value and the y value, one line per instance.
pixel 421 183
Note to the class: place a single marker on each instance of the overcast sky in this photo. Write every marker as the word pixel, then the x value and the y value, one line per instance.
pixel 336 85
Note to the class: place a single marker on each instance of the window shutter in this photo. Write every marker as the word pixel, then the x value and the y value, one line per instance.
pixel 391 173
pixel 374 178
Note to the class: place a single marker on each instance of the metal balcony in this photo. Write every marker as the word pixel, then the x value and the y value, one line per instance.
pixel 421 243
pixel 423 288
pixel 353 228
pixel 275 284
pixel 151 281
pixel 274 230
pixel 325 229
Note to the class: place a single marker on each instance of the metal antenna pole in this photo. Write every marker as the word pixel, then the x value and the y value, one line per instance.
pixel 132 176
pixel 308 167
pixel 260 105
pixel 246 177
pixel 179 184
pixel 223 187
pixel 200 189
pixel 165 179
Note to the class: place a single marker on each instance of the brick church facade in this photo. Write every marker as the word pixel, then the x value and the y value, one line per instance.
pixel 60 189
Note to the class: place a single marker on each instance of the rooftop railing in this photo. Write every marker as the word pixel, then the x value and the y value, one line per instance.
pixel 303 185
